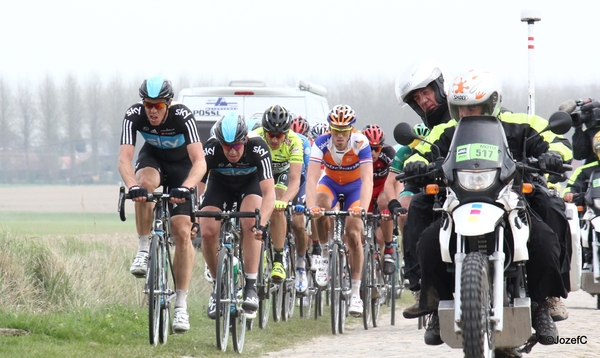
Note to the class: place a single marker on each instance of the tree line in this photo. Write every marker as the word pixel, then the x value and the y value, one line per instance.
pixel 68 130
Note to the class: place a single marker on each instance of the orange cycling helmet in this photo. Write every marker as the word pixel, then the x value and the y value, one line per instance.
pixel 341 115
pixel 374 134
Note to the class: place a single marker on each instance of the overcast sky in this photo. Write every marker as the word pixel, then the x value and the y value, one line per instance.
pixel 311 39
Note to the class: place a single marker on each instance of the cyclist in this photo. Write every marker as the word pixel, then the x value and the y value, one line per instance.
pixel 348 170
pixel 171 156
pixel 240 168
pixel 382 156
pixel 301 127
pixel 287 160
pixel 395 189
pixel 318 129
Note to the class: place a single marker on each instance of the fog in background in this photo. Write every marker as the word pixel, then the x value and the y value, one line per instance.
pixel 69 70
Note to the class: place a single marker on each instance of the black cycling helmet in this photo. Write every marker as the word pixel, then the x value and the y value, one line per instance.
pixel 156 87
pixel 277 119
pixel 231 128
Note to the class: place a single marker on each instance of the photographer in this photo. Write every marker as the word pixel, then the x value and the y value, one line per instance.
pixel 583 112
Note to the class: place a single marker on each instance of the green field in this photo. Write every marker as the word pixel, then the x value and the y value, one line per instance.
pixel 29 223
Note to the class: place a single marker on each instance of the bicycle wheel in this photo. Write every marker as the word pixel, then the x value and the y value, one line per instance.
pixel 366 283
pixel 153 284
pixel 377 291
pixel 344 277
pixel 224 286
pixel 238 323
pixel 335 288
pixel 277 297
pixel 289 292
pixel 306 299
pixel 165 304
pixel 392 297
pixel 263 287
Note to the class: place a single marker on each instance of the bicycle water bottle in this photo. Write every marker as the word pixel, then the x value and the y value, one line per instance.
pixel 236 269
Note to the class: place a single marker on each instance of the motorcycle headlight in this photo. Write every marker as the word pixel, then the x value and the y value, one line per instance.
pixel 476 179
pixel 597 203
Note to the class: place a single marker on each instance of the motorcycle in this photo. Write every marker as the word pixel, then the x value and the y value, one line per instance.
pixel 486 208
pixel 590 228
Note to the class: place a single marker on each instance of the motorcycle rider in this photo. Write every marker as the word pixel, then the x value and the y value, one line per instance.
pixel 478 92
pixel 423 88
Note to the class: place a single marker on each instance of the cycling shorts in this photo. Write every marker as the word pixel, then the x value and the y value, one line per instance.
pixel 281 180
pixel 409 190
pixel 350 190
pixel 172 175
pixel 222 194
pixel 377 190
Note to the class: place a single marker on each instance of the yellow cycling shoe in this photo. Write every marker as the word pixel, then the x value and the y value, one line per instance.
pixel 278 272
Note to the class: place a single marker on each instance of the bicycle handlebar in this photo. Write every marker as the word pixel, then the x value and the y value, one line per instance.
pixel 226 215
pixel 155 196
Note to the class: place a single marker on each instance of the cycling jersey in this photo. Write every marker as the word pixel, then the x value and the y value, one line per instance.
pixel 290 151
pixel 342 166
pixel 256 160
pixel 382 165
pixel 403 153
pixel 166 142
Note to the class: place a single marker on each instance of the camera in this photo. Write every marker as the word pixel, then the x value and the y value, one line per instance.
pixel 587 112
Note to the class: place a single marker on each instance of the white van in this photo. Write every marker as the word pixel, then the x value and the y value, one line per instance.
pixel 251 99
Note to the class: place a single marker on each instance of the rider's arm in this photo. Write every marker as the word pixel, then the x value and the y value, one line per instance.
pixel 267 188
pixel 392 187
pixel 366 187
pixel 198 169
pixel 126 153
pixel 294 182
pixel 312 179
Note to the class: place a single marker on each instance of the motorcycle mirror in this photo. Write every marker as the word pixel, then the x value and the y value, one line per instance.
pixel 404 134
pixel 560 122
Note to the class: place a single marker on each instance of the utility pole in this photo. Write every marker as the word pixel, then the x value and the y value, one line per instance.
pixel 530 16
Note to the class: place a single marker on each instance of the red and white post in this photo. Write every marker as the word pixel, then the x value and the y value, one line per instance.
pixel 530 16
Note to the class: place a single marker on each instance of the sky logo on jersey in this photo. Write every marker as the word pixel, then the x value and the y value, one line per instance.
pixel 475 212
pixel 235 171
pixel 164 142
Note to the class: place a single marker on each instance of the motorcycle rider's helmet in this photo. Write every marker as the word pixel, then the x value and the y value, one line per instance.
pixel 156 87
pixel 374 134
pixel 300 125
pixel 421 130
pixel 341 115
pixel 318 129
pixel 596 144
pixel 277 119
pixel 418 76
pixel 231 128
pixel 475 88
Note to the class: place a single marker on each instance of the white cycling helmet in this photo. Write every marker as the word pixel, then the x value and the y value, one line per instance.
pixel 475 87
pixel 418 76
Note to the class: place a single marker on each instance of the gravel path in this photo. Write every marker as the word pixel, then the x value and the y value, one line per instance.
pixel 406 341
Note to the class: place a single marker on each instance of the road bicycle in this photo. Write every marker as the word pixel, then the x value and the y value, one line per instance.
pixel 230 280
pixel 264 285
pixel 339 285
pixel 289 262
pixel 373 288
pixel 395 282
pixel 160 280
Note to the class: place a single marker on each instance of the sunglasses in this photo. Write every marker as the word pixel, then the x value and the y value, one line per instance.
pixel 158 106
pixel 276 135
pixel 376 148
pixel 338 130
pixel 229 147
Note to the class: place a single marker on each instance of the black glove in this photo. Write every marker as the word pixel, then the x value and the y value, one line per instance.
pixel 415 168
pixel 551 161
pixel 137 191
pixel 394 206
pixel 180 193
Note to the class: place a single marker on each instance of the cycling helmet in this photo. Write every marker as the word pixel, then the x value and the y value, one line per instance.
pixel 276 119
pixel 418 76
pixel 156 87
pixel 341 115
pixel 475 87
pixel 421 130
pixel 231 128
pixel 374 134
pixel 318 129
pixel 300 125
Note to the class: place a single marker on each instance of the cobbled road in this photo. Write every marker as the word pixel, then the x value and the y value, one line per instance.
pixel 406 341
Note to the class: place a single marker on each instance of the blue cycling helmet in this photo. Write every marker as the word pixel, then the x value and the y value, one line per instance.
pixel 156 87
pixel 231 128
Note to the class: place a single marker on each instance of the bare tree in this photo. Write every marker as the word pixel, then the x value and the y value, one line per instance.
pixel 6 133
pixel 49 125
pixel 27 113
pixel 93 101
pixel 73 119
